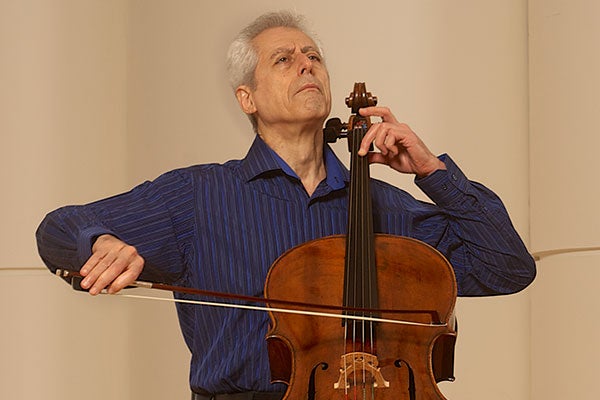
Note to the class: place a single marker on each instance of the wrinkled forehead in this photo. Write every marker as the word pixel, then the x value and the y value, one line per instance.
pixel 282 40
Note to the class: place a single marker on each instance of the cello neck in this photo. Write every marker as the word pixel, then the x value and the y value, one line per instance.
pixel 360 282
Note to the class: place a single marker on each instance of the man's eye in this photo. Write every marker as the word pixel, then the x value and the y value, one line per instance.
pixel 314 57
pixel 282 60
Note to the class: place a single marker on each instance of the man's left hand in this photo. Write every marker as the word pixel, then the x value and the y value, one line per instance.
pixel 399 147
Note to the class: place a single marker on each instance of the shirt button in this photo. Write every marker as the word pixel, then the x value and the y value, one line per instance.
pixel 444 187
pixel 454 177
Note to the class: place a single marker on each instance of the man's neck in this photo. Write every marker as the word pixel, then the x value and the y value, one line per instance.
pixel 302 150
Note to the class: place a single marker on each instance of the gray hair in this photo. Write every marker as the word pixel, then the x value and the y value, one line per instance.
pixel 241 56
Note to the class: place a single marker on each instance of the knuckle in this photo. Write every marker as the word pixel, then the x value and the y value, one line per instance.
pixel 130 251
pixel 102 265
pixel 140 261
pixel 139 265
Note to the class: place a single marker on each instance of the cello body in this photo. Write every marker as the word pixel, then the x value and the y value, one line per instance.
pixel 306 351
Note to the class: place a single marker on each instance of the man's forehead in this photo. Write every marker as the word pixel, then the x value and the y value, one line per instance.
pixel 280 39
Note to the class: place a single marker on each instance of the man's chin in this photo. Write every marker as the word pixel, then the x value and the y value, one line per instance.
pixel 316 106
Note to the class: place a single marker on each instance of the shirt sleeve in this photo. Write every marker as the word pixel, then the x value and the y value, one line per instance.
pixel 154 217
pixel 475 232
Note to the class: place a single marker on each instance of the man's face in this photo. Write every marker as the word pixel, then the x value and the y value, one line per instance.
pixel 291 81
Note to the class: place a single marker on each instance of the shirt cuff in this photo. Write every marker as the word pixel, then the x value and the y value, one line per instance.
pixel 445 187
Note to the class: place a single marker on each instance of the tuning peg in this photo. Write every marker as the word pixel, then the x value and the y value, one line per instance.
pixel 334 129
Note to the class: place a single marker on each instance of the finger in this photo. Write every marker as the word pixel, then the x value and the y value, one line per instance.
pixel 107 276
pixel 100 249
pixel 386 141
pixel 128 276
pixel 121 262
pixel 376 158
pixel 109 253
pixel 96 265
pixel 386 138
pixel 369 137
pixel 383 112
pixel 90 263
pixel 391 145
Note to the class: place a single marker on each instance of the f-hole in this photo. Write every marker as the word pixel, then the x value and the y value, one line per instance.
pixel 412 391
pixel 311 381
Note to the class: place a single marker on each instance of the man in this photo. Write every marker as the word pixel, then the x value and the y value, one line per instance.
pixel 220 227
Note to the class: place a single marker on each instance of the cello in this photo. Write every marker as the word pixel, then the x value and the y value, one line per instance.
pixel 371 276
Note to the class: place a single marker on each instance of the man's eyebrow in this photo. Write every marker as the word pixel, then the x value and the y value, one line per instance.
pixel 290 50
pixel 306 49
pixel 282 50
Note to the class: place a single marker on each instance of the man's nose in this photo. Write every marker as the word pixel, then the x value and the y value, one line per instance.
pixel 305 64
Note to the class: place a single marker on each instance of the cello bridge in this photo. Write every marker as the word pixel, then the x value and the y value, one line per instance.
pixel 359 366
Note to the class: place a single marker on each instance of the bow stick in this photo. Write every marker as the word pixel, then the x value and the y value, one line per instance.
pixel 74 278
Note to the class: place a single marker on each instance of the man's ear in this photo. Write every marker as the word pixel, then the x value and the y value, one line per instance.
pixel 244 96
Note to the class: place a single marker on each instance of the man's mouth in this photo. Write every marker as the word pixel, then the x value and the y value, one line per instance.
pixel 309 86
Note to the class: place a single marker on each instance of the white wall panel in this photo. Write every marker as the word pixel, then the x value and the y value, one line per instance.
pixel 565 328
pixel 565 104
pixel 564 109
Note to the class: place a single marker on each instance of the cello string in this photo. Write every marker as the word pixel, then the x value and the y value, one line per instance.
pixel 366 264
pixel 372 274
pixel 368 268
pixel 359 264
pixel 354 249
pixel 344 364
pixel 363 174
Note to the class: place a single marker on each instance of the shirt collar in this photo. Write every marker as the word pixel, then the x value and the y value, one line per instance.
pixel 262 159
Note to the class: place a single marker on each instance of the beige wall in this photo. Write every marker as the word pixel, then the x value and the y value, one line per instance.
pixel 565 138
pixel 99 95
pixel 63 127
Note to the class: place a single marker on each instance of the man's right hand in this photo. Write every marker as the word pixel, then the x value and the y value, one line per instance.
pixel 113 265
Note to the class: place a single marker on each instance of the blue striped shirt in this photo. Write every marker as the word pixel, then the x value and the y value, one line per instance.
pixel 220 227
